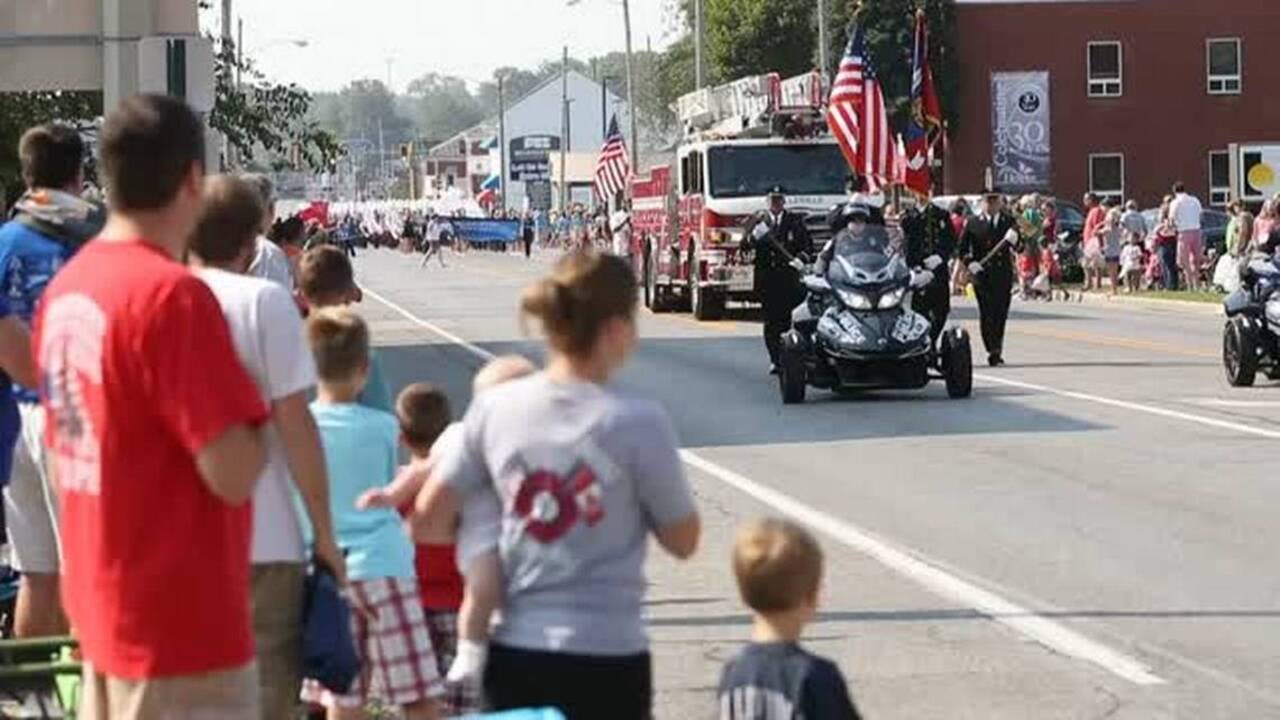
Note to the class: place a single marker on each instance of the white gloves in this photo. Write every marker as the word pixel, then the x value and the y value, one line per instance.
pixel 760 231
pixel 975 268
pixel 933 262
pixel 921 279
pixel 1011 237
pixel 795 263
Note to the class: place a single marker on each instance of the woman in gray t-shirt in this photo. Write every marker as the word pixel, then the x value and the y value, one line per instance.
pixel 584 474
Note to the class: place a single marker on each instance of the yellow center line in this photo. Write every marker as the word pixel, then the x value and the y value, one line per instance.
pixel 1111 341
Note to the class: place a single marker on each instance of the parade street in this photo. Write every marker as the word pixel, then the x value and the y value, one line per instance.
pixel 1091 535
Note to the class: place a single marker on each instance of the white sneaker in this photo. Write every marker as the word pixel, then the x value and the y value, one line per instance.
pixel 468 664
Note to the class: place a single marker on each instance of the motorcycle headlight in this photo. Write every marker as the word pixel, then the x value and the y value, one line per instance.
pixel 853 299
pixel 892 299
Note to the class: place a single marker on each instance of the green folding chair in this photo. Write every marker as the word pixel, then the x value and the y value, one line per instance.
pixel 39 680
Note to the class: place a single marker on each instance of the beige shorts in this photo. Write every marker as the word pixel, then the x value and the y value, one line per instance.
pixel 277 596
pixel 223 695
pixel 30 505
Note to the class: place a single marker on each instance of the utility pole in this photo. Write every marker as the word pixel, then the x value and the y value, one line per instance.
pixel 502 143
pixel 564 126
pixel 631 87
pixel 697 43
pixel 226 47
pixel 382 162
pixel 823 57
pixel 239 52
pixel 604 108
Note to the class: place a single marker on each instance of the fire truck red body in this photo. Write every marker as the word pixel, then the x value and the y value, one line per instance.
pixel 690 216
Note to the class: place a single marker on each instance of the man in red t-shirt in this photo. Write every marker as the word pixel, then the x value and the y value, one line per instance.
pixel 153 429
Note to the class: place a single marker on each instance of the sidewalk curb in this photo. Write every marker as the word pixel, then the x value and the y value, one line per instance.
pixel 1185 306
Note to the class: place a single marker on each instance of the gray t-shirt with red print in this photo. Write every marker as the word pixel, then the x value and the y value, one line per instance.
pixel 585 474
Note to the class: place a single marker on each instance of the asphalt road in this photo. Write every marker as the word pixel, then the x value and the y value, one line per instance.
pixel 1093 534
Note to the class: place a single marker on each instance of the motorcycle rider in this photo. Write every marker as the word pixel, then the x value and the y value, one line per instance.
pixel 987 247
pixel 853 216
pixel 929 241
pixel 781 243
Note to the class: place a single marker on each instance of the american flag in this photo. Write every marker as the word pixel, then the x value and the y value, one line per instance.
pixel 857 117
pixel 613 169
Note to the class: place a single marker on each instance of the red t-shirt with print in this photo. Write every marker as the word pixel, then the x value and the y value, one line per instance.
pixel 139 374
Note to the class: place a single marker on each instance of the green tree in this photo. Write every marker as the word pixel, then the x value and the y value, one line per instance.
pixel 21 110
pixel 745 37
pixel 441 105
pixel 264 122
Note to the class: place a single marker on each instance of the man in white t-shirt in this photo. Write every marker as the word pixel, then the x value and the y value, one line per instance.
pixel 268 260
pixel 269 338
pixel 1186 211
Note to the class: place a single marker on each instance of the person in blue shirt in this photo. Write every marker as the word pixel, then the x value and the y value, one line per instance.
pixel 48 224
pixel 360 448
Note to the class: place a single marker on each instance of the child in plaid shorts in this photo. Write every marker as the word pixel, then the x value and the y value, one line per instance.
pixel 360 447
pixel 426 432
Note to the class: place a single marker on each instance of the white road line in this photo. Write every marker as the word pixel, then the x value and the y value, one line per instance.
pixel 1248 404
pixel 1135 407
pixel 1053 635
pixel 472 348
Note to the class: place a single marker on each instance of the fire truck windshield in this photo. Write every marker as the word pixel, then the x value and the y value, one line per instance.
pixel 751 170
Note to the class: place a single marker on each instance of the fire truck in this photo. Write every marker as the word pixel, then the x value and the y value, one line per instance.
pixel 739 140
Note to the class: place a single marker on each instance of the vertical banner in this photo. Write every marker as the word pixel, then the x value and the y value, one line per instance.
pixel 1020 125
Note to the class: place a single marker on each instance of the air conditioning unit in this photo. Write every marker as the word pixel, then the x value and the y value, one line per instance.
pixel 181 66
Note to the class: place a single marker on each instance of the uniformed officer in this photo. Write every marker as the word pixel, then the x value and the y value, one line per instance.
pixel 987 246
pixel 781 243
pixel 929 242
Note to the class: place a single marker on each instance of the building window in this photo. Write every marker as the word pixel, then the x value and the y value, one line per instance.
pixel 1224 66
pixel 1106 71
pixel 1106 176
pixel 1219 177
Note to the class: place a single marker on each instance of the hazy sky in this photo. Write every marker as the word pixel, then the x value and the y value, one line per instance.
pixel 353 39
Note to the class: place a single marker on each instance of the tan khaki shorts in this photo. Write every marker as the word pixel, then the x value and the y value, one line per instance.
pixel 277 594
pixel 222 695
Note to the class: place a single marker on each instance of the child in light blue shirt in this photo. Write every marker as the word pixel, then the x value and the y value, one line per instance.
pixel 360 452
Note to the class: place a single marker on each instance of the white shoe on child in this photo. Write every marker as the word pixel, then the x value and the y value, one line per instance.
pixel 468 664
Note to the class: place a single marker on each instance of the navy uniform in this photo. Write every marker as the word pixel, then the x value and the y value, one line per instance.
pixel 779 239
pixel 992 282
pixel 929 241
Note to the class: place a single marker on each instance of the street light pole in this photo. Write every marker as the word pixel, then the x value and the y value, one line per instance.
pixel 631 88
pixel 564 125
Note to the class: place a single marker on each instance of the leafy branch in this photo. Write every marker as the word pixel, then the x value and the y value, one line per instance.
pixel 259 117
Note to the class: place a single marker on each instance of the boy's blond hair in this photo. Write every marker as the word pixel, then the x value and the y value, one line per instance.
pixel 500 370
pixel 778 565
pixel 423 412
pixel 339 340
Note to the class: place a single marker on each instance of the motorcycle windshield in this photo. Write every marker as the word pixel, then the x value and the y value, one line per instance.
pixel 864 257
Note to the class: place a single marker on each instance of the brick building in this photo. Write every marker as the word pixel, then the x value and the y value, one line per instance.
pixel 1140 93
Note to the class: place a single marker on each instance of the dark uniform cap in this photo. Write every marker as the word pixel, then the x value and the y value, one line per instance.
pixel 777 191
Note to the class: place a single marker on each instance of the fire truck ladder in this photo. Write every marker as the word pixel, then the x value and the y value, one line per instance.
pixel 754 106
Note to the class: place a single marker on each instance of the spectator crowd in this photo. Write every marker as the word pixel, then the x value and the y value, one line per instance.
pixel 203 429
